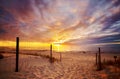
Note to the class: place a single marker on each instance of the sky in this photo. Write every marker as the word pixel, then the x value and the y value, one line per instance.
pixel 76 24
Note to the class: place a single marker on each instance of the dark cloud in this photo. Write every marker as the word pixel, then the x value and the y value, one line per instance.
pixel 106 39
pixel 111 48
pixel 2 31
pixel 18 5
pixel 110 21
pixel 117 3
pixel 5 16
pixel 94 4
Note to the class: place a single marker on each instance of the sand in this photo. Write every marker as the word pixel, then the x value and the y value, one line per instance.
pixel 73 66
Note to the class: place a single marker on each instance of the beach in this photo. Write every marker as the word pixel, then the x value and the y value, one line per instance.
pixel 74 65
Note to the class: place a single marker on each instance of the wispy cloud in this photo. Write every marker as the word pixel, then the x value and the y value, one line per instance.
pixel 65 21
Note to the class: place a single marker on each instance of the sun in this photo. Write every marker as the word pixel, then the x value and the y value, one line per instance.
pixel 57 46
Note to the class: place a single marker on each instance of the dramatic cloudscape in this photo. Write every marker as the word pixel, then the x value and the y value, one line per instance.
pixel 76 24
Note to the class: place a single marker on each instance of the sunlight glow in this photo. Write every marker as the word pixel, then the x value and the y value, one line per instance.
pixel 33 45
pixel 25 45
pixel 57 46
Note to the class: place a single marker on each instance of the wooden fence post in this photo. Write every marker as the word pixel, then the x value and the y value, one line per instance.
pixel 96 59
pixel 17 54
pixel 99 60
pixel 51 53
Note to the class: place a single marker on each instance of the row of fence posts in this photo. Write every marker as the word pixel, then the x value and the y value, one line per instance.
pixel 98 56
pixel 98 60
pixel 17 55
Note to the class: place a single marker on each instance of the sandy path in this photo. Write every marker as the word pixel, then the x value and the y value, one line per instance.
pixel 73 66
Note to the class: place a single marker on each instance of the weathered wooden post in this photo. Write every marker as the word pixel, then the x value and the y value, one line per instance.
pixel 96 58
pixel 51 53
pixel 115 57
pixel 99 60
pixel 17 54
